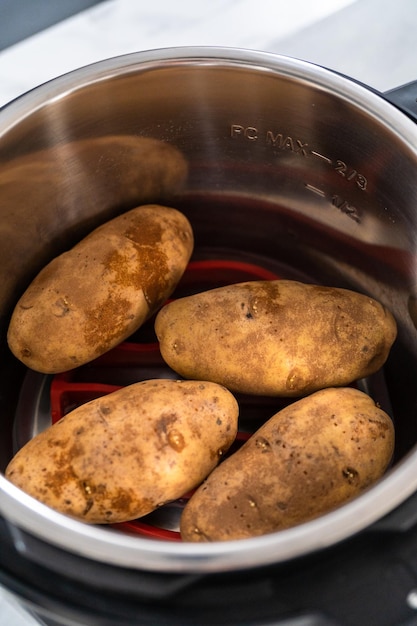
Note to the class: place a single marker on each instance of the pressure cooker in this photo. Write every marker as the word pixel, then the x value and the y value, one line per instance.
pixel 294 171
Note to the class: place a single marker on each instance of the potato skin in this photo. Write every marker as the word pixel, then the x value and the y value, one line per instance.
pixel 89 299
pixel 121 456
pixel 278 337
pixel 308 459
pixel 70 188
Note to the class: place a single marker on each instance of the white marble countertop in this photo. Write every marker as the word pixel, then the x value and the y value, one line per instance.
pixel 370 40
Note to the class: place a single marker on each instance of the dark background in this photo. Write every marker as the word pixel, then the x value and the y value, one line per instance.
pixel 22 18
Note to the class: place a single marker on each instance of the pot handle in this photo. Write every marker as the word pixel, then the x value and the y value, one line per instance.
pixel 404 98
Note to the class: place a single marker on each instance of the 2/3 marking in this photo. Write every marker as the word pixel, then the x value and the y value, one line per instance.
pixel 283 142
pixel 351 174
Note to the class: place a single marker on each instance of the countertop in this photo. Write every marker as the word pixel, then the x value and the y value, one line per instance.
pixel 373 41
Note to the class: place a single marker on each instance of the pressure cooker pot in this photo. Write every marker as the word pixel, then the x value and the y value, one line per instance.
pixel 293 171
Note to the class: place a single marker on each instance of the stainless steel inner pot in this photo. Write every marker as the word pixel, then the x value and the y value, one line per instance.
pixel 290 166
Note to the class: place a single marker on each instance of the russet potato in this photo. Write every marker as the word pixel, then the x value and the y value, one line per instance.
pixel 89 299
pixel 311 457
pixel 62 192
pixel 121 456
pixel 277 337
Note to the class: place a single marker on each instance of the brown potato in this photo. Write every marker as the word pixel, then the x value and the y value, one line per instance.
pixel 276 337
pixel 55 196
pixel 94 296
pixel 308 459
pixel 121 456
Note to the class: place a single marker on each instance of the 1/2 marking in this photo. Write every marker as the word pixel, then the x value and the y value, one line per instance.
pixel 346 208
pixel 337 201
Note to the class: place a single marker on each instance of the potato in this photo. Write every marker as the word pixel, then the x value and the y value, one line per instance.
pixel 89 299
pixel 123 455
pixel 308 459
pixel 64 191
pixel 276 337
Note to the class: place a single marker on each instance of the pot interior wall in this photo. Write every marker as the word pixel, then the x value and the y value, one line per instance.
pixel 283 172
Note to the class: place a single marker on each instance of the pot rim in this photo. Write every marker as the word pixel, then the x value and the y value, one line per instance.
pixel 122 550
pixel 111 547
